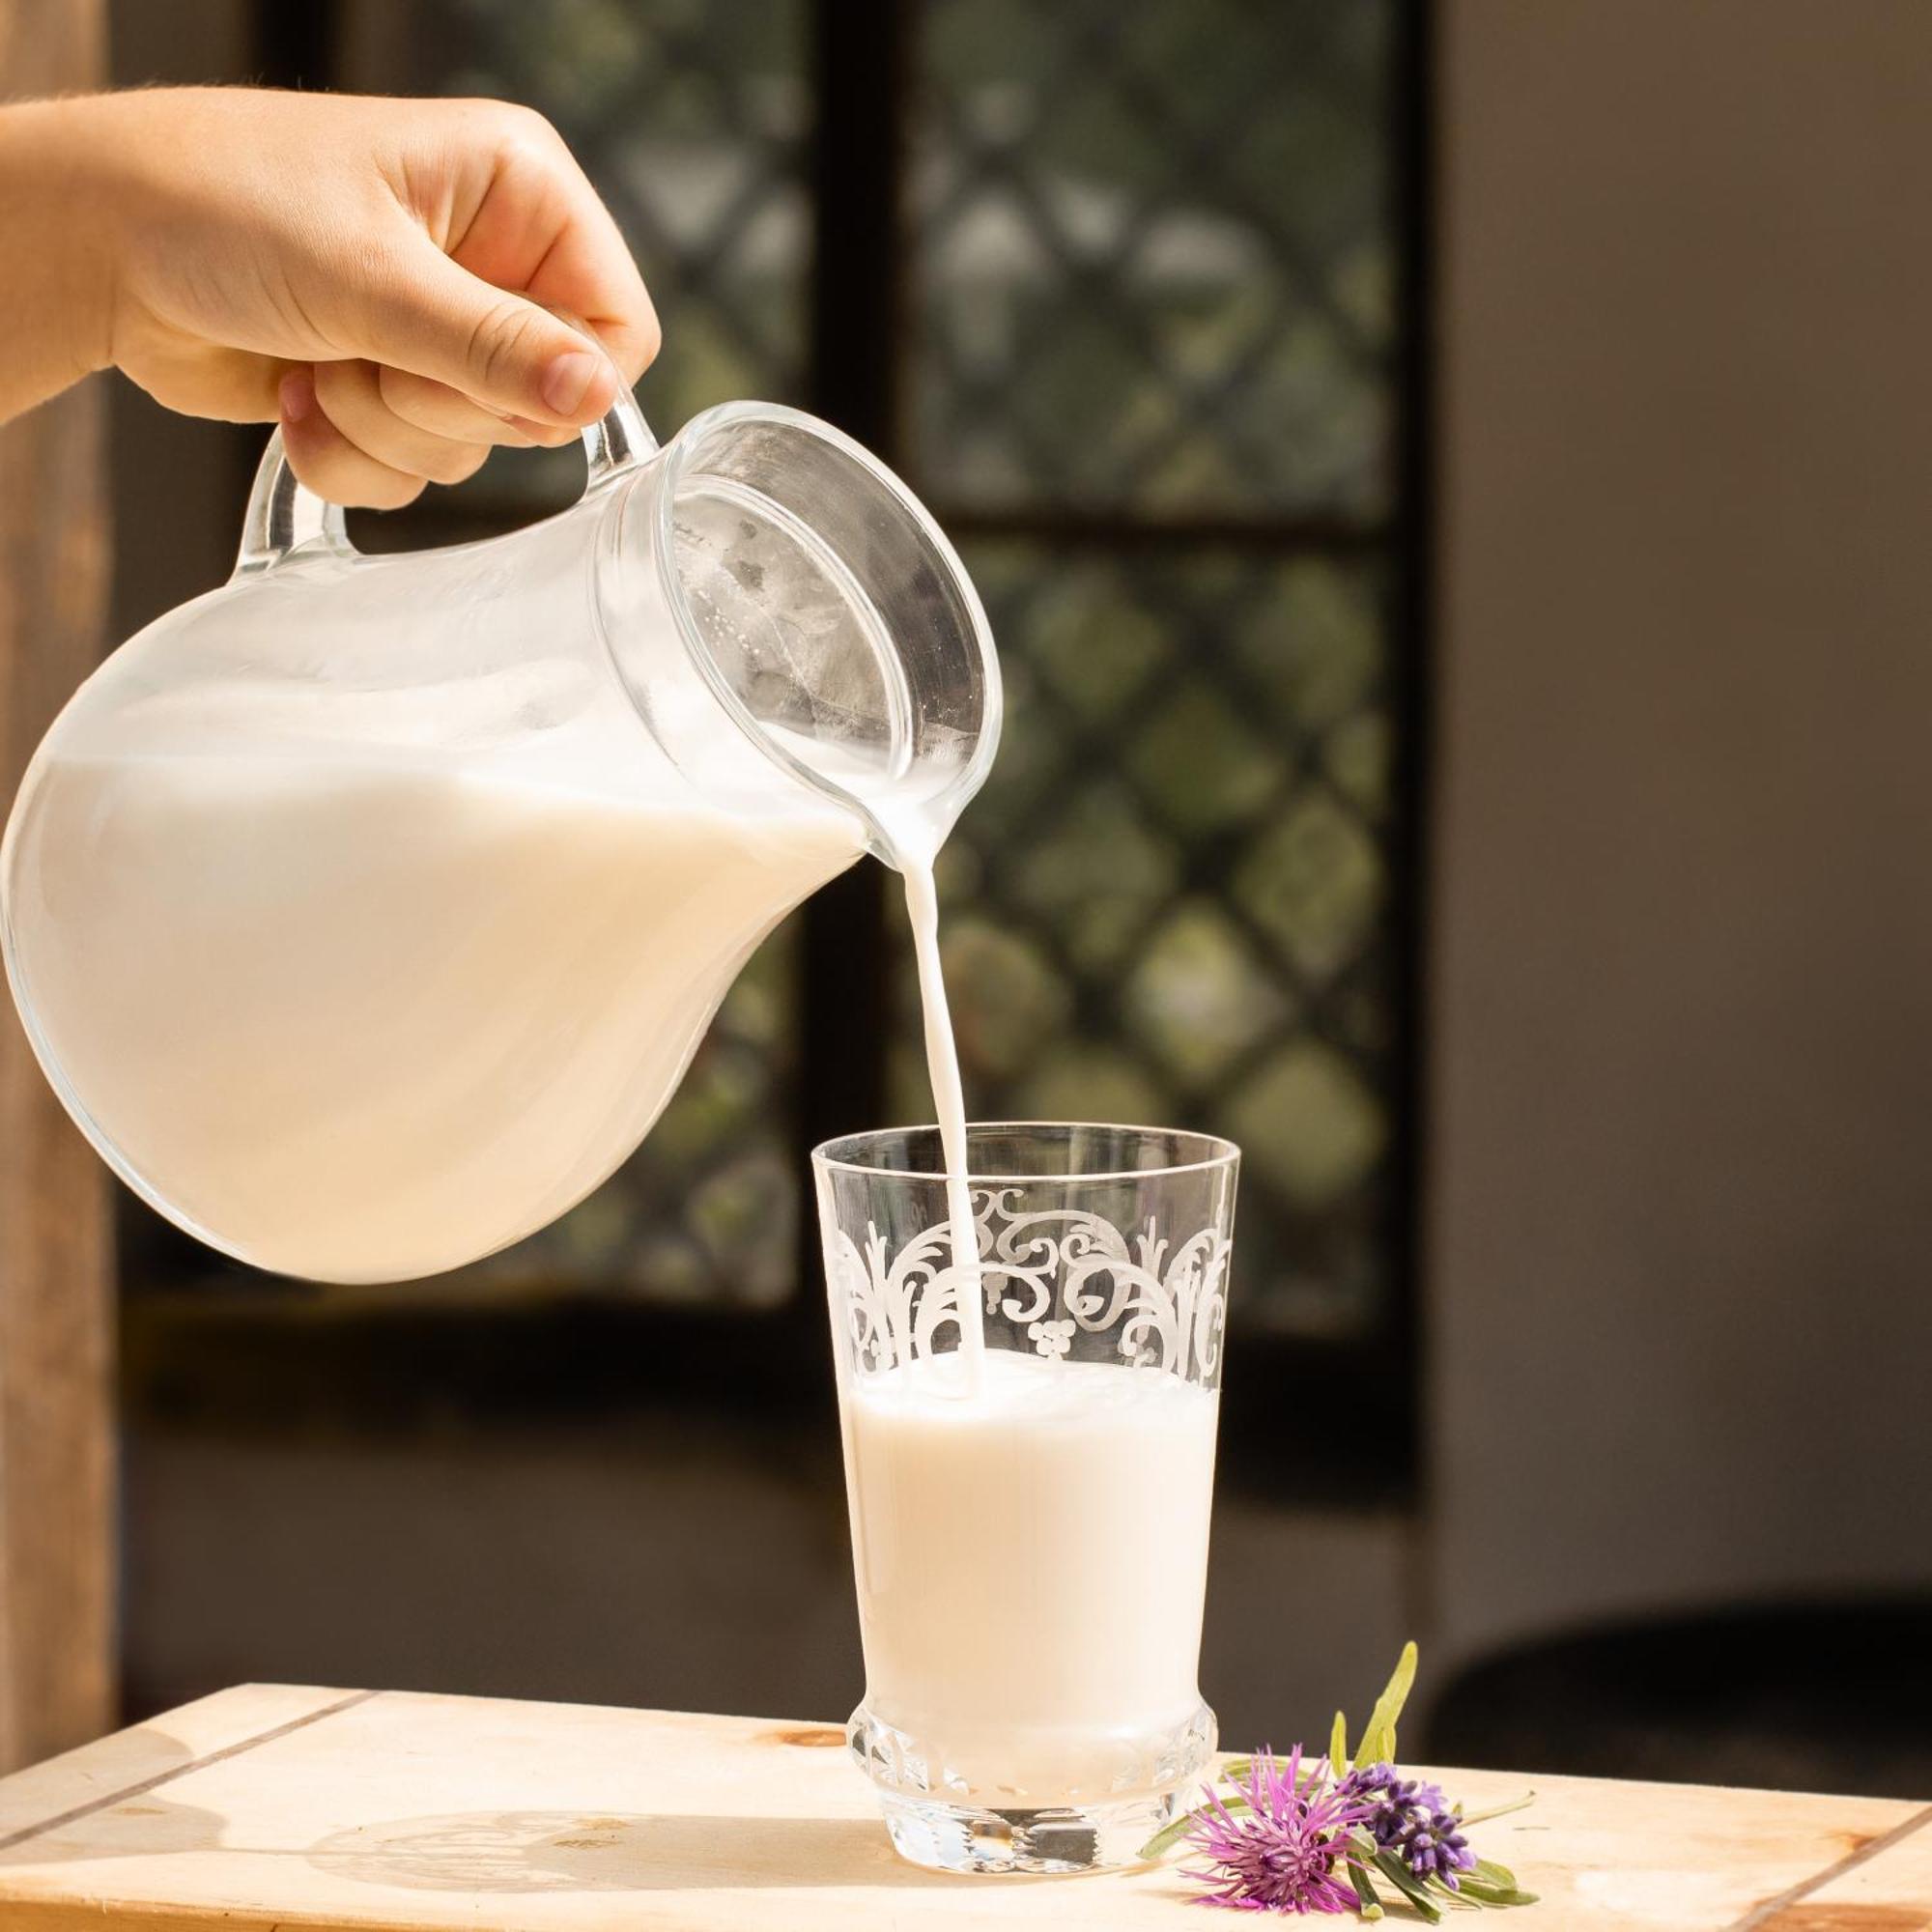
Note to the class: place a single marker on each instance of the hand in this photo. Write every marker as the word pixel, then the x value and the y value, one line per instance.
pixel 372 272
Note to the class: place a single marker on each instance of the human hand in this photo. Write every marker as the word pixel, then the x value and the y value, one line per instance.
pixel 376 274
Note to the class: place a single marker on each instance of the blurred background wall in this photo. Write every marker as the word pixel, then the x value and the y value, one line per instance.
pixel 1449 473
pixel 1681 1007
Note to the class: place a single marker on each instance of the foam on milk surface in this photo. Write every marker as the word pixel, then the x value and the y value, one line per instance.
pixel 1031 1563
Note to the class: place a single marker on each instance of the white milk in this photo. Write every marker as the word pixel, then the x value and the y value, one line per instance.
pixel 361 1016
pixel 948 1105
pixel 1031 1565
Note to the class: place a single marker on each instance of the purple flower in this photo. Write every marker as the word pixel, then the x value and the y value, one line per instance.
pixel 1392 1800
pixel 1291 1851
pixel 1435 1847
pixel 1412 1820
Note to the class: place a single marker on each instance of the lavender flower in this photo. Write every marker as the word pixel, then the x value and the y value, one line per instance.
pixel 1435 1847
pixel 1412 1819
pixel 1391 1799
pixel 1290 1853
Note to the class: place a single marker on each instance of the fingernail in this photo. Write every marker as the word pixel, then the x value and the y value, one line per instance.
pixel 295 394
pixel 569 378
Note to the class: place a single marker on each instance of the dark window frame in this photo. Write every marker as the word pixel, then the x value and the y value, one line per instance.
pixel 599 1353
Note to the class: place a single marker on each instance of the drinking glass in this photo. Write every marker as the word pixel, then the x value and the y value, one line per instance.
pixel 1029 1517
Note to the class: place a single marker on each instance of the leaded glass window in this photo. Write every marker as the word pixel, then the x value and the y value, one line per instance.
pixel 1136 332
pixel 1153 376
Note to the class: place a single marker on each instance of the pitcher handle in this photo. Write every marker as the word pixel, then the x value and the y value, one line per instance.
pixel 617 442
pixel 284 515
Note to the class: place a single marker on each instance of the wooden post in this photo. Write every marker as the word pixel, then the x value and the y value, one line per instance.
pixel 57 1665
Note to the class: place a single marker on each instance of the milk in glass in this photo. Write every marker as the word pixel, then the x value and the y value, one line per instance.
pixel 1031 1563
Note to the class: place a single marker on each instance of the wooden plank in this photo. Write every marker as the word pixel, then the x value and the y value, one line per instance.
pixel 1885 1885
pixel 151 1754
pixel 57 1677
pixel 405 1814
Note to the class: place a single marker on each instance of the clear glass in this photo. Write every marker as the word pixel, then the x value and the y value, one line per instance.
pixel 1030 1539
pixel 366 912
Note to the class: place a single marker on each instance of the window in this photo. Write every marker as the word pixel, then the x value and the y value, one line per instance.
pixel 1125 292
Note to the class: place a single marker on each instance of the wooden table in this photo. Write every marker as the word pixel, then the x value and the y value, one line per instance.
pixel 275 1805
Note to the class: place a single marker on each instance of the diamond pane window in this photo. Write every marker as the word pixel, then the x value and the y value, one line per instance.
pixel 1136 337
pixel 1155 381
pixel 1156 267
pixel 1171 902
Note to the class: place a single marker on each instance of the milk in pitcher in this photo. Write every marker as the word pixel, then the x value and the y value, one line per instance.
pixel 368 1014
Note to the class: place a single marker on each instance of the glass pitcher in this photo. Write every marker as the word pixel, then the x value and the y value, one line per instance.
pixel 366 911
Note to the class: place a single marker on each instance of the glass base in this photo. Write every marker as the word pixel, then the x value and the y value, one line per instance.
pixel 1071 1839
pixel 926 1793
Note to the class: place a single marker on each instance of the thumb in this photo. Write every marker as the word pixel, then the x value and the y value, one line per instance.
pixel 500 350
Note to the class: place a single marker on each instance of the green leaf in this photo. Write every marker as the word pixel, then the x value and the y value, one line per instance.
pixel 1527 1799
pixel 1166 1838
pixel 1338 1745
pixel 1376 1745
pixel 1495 1894
pixel 1402 1879
pixel 1371 1906
pixel 1491 1873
